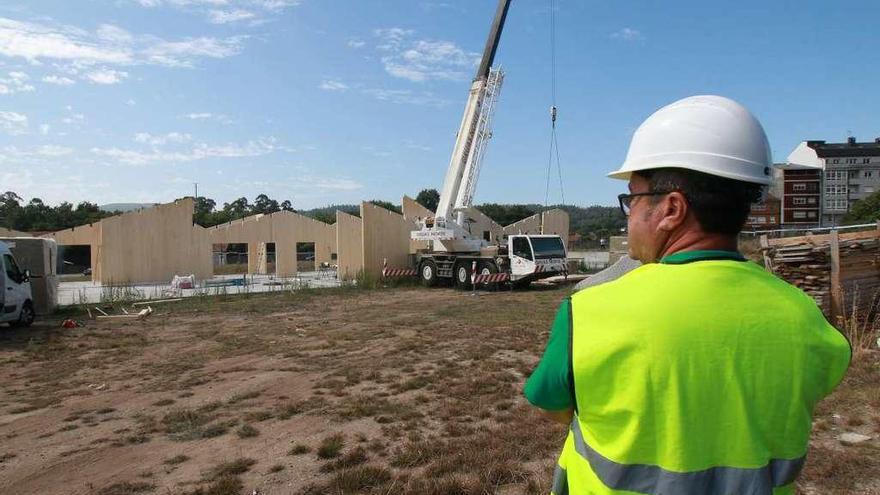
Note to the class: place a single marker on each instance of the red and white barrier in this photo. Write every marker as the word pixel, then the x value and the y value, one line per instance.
pixel 491 278
pixel 396 272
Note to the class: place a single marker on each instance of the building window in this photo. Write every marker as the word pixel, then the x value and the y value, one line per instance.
pixel 799 187
pixel 853 174
pixel 799 214
pixel 811 201
pixel 835 189
pixel 866 160
pixel 836 160
pixel 811 214
pixel 868 189
pixel 869 174
pixel 799 201
pixel 850 161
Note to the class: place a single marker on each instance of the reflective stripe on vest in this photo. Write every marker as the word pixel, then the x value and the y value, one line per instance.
pixel 560 482
pixel 654 480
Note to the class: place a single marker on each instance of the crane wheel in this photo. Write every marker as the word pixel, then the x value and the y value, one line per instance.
pixel 462 276
pixel 428 273
pixel 487 268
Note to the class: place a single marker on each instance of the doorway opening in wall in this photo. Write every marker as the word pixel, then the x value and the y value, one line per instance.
pixel 305 256
pixel 74 263
pixel 270 258
pixel 230 258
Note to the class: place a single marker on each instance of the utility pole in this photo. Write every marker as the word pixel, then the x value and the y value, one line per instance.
pixel 196 184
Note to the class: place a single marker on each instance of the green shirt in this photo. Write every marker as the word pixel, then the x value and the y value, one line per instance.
pixel 550 386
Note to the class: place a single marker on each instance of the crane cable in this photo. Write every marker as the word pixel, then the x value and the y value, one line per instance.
pixel 554 145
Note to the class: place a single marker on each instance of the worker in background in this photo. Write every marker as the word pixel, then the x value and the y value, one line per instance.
pixel 696 373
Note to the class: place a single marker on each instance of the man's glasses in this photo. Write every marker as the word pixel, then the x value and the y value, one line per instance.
pixel 625 200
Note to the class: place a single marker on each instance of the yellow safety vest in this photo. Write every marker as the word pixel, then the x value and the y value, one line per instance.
pixel 695 379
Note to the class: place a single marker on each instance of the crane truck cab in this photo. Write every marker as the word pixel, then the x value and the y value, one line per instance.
pixel 16 301
pixel 533 257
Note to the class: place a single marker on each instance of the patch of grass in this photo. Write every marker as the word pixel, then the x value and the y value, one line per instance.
pixel 247 431
pixel 127 488
pixel 235 399
pixel 258 416
pixel 178 459
pixel 105 410
pixel 360 479
pixel 331 446
pixel 188 424
pixel 68 428
pixel 277 468
pixel 225 485
pixel 356 457
pixel 299 449
pixel 163 402
pixel 233 468
pixel 7 456
pixel 289 410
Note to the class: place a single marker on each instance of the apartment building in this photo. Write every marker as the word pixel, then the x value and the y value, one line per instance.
pixel 847 172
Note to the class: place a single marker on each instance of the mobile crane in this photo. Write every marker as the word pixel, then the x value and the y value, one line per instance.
pixel 454 252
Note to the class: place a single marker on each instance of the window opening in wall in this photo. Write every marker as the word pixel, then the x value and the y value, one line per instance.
pixel 305 256
pixel 230 258
pixel 74 262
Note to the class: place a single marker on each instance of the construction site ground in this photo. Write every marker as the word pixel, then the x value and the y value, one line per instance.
pixel 340 390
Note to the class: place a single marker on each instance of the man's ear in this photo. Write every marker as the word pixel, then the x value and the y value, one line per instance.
pixel 673 210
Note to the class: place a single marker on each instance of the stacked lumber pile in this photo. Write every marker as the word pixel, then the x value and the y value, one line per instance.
pixel 807 266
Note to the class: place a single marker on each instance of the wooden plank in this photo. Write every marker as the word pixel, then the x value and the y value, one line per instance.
pixel 824 238
pixel 836 295
pixel 768 263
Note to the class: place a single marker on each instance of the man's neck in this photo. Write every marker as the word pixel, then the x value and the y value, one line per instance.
pixel 699 241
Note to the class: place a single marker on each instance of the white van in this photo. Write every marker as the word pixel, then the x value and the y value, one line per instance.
pixel 16 302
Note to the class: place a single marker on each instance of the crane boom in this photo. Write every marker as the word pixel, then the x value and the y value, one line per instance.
pixel 448 231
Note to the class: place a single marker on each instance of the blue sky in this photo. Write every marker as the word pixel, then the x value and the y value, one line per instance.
pixel 335 101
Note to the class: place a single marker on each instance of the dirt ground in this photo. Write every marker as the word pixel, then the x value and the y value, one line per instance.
pixel 401 390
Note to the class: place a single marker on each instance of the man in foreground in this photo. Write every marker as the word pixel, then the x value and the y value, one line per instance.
pixel 696 373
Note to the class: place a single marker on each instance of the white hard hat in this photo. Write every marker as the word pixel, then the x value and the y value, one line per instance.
pixel 709 134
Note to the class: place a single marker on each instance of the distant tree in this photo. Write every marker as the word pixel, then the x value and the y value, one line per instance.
pixel 239 208
pixel 264 204
pixel 286 205
pixel 864 210
pixel 429 198
pixel 387 205
pixel 10 204
pixel 507 214
pixel 204 211
pixel 324 216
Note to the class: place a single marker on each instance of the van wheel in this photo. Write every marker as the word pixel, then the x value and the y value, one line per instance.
pixel 26 316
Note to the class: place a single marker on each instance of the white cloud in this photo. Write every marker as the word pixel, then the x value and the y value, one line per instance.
pixel 16 82
pixel 159 140
pixel 199 151
pixel 15 154
pixel 333 86
pixel 422 60
pixel 44 129
pixel 217 117
pixel 185 53
pixel 73 117
pixel 407 97
pixel 73 49
pixel 13 123
pixel 228 16
pixel 356 43
pixel 627 34
pixel 325 183
pixel 226 11
pixel 59 80
pixel 106 76
pixel 130 102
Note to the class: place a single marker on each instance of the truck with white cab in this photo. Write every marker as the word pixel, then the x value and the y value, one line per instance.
pixel 16 301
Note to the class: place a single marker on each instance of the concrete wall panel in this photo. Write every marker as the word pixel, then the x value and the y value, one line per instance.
pixel 83 235
pixel 556 221
pixel 285 229
pixel 386 236
pixel 153 245
pixel 414 212
pixel 4 232
pixel 529 225
pixel 349 245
